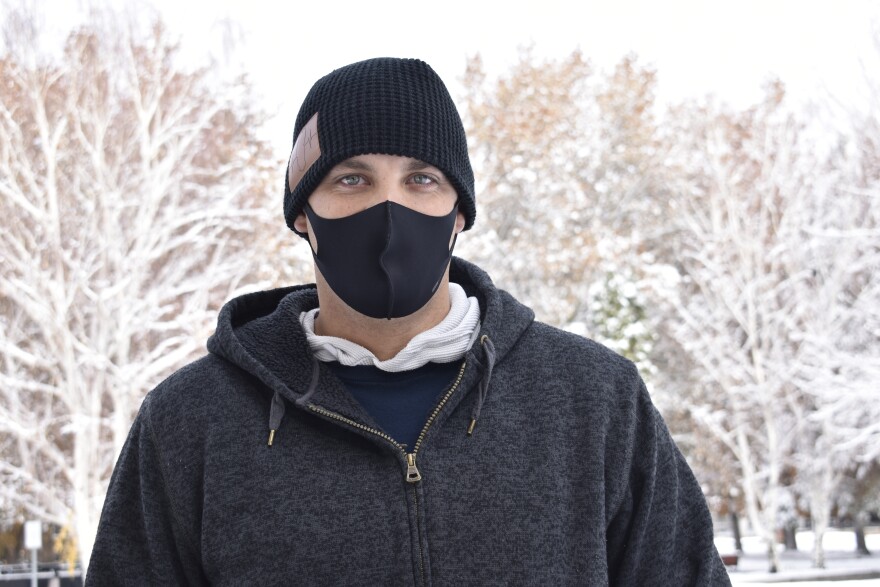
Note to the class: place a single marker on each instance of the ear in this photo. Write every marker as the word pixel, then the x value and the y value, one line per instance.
pixel 459 222
pixel 301 223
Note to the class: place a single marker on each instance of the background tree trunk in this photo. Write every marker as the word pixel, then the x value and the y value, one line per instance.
pixel 734 525
pixel 789 534
pixel 859 529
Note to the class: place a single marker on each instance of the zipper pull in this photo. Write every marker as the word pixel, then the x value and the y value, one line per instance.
pixel 412 473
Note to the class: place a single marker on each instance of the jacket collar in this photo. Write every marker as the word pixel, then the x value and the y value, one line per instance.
pixel 261 333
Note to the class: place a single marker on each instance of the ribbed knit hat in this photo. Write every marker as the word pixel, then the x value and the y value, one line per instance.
pixel 385 106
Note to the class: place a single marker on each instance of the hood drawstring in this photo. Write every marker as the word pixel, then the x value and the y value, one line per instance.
pixel 278 407
pixel 276 413
pixel 483 387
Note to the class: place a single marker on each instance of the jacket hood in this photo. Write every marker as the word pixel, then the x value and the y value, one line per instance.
pixel 261 334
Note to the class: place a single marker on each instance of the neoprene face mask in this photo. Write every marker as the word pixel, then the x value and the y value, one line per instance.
pixel 386 261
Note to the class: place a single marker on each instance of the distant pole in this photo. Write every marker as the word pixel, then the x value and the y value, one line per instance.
pixel 33 540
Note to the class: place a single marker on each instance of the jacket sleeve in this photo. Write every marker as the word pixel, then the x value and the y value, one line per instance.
pixel 660 533
pixel 141 539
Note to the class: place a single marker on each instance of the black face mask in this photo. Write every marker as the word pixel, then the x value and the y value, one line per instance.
pixel 386 261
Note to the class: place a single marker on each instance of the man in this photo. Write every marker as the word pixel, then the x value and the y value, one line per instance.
pixel 402 421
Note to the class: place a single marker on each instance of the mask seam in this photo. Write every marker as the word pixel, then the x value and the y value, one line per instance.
pixel 382 260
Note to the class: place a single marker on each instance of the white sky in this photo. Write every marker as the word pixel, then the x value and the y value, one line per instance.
pixel 728 48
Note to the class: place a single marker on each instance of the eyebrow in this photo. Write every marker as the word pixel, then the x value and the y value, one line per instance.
pixel 355 164
pixel 417 165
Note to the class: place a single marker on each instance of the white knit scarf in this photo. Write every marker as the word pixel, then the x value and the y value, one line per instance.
pixel 446 342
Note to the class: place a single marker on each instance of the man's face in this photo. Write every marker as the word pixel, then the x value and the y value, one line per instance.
pixel 377 266
pixel 366 180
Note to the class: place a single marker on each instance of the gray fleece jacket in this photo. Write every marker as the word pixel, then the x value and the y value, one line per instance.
pixel 569 475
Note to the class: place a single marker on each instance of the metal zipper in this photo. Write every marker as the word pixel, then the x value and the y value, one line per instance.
pixel 412 473
pixel 419 536
pixel 439 407
pixel 358 425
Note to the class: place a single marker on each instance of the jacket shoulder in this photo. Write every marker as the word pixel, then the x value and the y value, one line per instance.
pixel 200 395
pixel 202 376
pixel 562 349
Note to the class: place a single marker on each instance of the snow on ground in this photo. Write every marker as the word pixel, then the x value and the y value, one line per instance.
pixel 843 566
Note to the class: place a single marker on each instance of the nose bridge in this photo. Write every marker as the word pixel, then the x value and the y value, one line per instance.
pixel 384 187
pixel 390 189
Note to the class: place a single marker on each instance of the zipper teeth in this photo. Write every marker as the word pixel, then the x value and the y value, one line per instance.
pixel 439 407
pixel 419 541
pixel 357 425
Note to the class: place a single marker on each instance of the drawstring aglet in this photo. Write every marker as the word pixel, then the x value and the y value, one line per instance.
pixel 472 426
pixel 271 436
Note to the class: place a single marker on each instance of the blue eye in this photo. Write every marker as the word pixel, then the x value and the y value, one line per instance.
pixel 351 180
pixel 422 179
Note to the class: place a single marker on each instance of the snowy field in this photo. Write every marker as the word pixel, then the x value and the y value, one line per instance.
pixel 843 567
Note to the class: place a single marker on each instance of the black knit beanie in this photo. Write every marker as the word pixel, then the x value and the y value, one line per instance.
pixel 385 106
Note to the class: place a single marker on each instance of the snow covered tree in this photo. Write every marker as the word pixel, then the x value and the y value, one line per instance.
pixel 839 346
pixel 618 318
pixel 524 134
pixel 777 251
pixel 737 179
pixel 839 329
pixel 129 194
pixel 566 159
